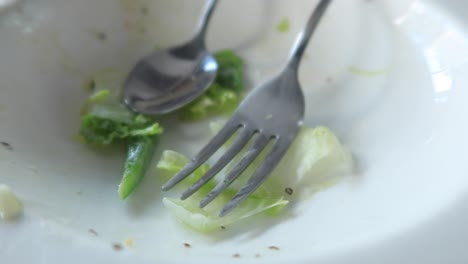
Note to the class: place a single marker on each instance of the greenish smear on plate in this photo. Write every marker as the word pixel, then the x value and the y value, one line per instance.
pixel 283 25
pixel 366 72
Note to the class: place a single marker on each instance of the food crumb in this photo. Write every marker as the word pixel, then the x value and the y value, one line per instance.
pixel 98 34
pixel 117 246
pixel 7 145
pixel 92 231
pixel 10 205
pixel 283 26
pixel 237 255
pixel 288 190
pixel 273 248
pixel 129 242
pixel 187 245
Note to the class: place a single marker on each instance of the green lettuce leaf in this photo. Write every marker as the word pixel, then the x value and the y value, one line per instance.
pixel 230 70
pixel 109 123
pixel 106 121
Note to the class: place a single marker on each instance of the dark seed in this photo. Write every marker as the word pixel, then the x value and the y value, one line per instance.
pixel 274 248
pixel 7 145
pixel 117 246
pixel 102 36
pixel 91 85
pixel 288 190
pixel 92 231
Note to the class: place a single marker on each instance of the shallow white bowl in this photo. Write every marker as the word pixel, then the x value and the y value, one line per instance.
pixel 389 77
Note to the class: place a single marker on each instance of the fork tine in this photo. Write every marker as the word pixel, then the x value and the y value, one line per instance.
pixel 259 176
pixel 215 143
pixel 239 143
pixel 249 156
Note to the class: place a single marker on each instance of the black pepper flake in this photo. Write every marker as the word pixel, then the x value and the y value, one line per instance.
pixel 187 245
pixel 288 190
pixel 6 145
pixel 90 85
pixel 144 10
pixel 102 36
pixel 92 231
pixel 237 255
pixel 117 246
pixel 273 248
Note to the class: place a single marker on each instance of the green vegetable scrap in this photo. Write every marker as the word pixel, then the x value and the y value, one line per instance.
pixel 283 25
pixel 106 121
pixel 223 96
pixel 230 71
pixel 140 153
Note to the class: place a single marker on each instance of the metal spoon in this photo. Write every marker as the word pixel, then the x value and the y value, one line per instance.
pixel 169 79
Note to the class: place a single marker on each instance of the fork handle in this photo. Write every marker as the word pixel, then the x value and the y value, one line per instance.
pixel 303 39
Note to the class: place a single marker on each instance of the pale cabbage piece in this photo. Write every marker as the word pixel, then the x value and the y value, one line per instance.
pixel 315 160
pixel 207 220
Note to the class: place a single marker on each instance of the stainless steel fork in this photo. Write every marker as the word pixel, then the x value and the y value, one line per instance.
pixel 273 112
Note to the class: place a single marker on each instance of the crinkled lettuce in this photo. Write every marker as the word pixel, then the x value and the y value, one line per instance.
pixel 315 159
pixel 108 123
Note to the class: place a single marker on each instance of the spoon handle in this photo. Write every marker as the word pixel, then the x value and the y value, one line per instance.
pixel 303 39
pixel 205 18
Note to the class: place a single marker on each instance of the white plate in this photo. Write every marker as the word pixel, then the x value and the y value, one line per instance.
pixel 390 77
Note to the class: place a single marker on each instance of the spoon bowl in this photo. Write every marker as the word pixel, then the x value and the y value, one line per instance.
pixel 171 78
